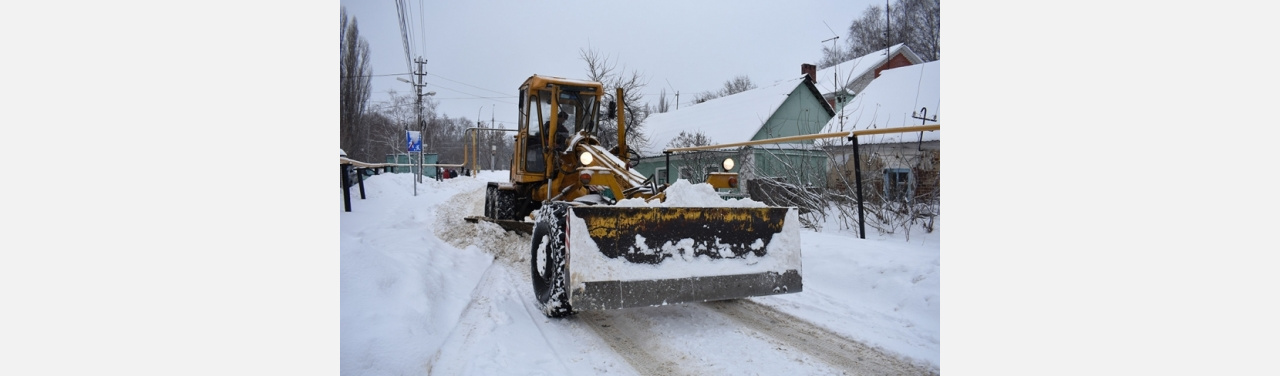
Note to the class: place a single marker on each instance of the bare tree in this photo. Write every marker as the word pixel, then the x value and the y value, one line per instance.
pixel 921 21
pixel 385 136
pixel 832 55
pixel 602 70
pixel 694 164
pixel 355 72
pixel 704 96
pixel 398 115
pixel 916 23
pixel 866 34
pixel 889 206
pixel 663 106
pixel 786 177
pixel 737 85
pixel 732 86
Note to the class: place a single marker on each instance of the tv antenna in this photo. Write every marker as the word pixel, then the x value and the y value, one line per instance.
pixel 835 73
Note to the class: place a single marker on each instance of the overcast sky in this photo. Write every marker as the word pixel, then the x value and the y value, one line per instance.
pixel 479 52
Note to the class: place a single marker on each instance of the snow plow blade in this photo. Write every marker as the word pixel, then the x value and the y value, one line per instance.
pixel 622 257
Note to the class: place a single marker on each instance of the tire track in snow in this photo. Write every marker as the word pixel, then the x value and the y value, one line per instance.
pixel 605 324
pixel 622 334
pixel 484 317
pixel 851 356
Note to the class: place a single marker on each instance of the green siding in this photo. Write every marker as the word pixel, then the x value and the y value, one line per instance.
pixel 801 113
pixel 799 167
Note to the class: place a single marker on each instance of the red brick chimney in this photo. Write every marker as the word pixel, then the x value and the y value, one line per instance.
pixel 811 71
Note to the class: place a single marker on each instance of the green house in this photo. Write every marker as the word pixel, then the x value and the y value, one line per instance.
pixel 786 108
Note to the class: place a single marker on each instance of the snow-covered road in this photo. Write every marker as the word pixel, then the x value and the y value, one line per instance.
pixel 481 319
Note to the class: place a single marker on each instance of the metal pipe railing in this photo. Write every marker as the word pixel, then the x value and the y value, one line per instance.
pixel 864 132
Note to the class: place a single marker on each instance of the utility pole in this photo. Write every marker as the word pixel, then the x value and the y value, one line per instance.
pixel 419 76
pixel 677 94
pixel 418 83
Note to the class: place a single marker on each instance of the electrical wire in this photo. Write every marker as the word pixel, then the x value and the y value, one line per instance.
pixel 463 83
pixel 404 33
pixel 379 75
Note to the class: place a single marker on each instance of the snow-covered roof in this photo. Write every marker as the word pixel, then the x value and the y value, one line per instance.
pixel 728 119
pixel 890 101
pixel 857 67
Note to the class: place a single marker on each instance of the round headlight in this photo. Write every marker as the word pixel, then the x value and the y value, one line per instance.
pixel 728 164
pixel 586 158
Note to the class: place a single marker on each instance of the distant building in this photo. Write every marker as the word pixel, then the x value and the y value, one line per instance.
pixel 840 82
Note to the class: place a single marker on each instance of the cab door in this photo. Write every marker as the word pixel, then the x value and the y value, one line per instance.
pixel 535 109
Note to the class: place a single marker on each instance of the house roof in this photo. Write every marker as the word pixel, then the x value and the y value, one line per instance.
pixel 889 101
pixel 728 119
pixel 857 67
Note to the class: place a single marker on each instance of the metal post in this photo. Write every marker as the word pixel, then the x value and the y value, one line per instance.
pixel 346 192
pixel 857 176
pixel 475 152
pixel 667 172
pixel 360 181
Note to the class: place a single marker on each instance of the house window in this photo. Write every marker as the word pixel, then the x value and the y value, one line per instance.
pixel 686 173
pixel 898 184
pixel 661 173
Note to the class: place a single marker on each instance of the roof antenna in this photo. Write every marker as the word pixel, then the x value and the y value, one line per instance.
pixel 887 41
pixel 835 76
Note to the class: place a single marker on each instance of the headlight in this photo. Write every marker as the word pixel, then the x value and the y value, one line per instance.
pixel 586 158
pixel 728 164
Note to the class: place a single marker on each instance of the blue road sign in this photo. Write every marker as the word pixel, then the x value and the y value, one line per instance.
pixel 415 141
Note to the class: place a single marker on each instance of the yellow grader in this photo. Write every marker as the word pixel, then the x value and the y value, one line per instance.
pixel 602 237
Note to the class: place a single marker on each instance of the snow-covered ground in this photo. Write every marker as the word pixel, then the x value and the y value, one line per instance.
pixel 424 292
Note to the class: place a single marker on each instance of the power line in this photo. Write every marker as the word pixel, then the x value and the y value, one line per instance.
pixel 473 95
pixel 404 34
pixel 378 75
pixel 422 21
pixel 463 83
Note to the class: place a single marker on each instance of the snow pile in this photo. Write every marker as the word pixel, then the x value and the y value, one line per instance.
pixel 701 195
pixel 402 288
